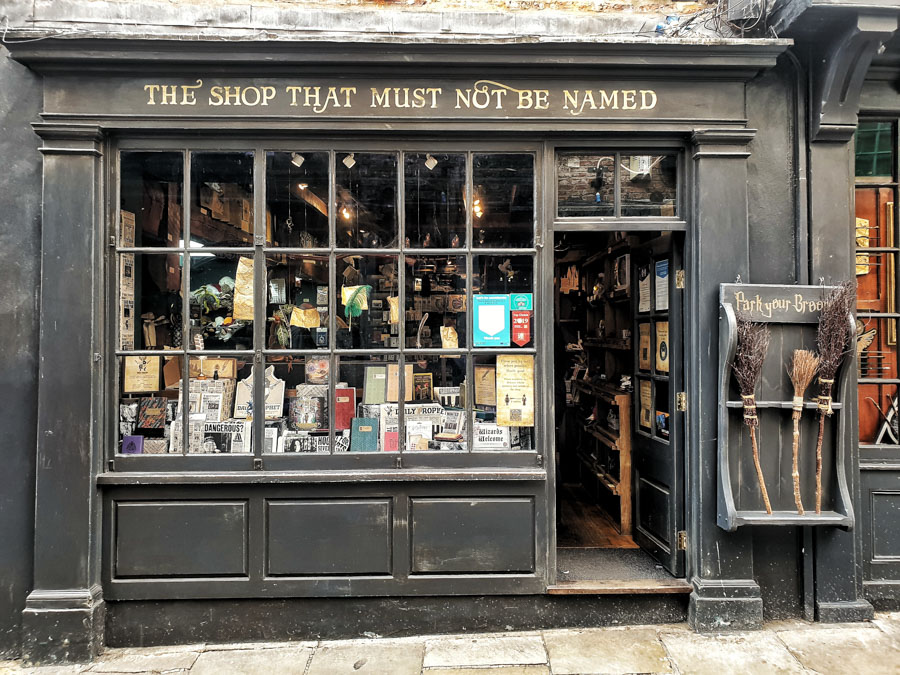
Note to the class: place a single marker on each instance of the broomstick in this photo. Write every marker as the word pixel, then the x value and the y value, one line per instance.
pixel 804 365
pixel 753 341
pixel 834 331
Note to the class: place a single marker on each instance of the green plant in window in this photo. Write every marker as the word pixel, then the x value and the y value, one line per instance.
pixel 281 317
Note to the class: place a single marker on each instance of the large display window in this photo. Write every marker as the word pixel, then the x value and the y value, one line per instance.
pixel 287 306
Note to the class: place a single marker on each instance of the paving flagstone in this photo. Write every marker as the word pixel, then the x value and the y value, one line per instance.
pixel 147 659
pixel 507 650
pixel 612 651
pixel 368 657
pixel 860 649
pixel 280 661
pixel 759 653
pixel 491 670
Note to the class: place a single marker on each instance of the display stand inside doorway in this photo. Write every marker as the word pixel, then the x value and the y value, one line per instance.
pixel 793 315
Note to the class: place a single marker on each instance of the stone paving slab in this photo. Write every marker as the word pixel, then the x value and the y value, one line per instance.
pixel 832 650
pixel 231 646
pixel 170 659
pixel 759 653
pixel 889 624
pixel 510 650
pixel 280 660
pixel 368 657
pixel 606 651
pixel 490 670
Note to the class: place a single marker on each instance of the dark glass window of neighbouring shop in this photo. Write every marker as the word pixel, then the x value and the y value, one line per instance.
pixel 289 306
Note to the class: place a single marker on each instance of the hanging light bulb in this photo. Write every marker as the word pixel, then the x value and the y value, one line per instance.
pixel 302 186
pixel 349 161
pixel 477 209
pixel 430 162
pixel 297 159
pixel 346 213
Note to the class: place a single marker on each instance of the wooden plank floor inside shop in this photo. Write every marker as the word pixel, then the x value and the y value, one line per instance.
pixel 583 524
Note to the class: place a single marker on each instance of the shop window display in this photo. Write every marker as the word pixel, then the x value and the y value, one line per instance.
pixel 356 338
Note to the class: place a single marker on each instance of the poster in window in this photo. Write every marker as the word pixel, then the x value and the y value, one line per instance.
pixel 485 386
pixel 491 320
pixel 423 387
pixel 662 285
pixel 662 346
pixel 141 374
pixel 515 390
pixel 643 288
pixel 646 399
pixel 644 346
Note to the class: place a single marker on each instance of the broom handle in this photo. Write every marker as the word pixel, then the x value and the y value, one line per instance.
pixel 795 474
pixel 819 461
pixel 759 473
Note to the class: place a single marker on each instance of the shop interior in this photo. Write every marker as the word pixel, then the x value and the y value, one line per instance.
pixel 614 398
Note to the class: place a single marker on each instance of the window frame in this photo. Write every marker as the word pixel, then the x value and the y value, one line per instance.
pixel 879 182
pixel 257 460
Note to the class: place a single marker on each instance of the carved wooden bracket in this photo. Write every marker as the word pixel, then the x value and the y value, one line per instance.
pixel 838 72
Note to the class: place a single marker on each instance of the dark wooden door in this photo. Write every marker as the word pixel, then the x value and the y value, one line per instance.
pixel 658 447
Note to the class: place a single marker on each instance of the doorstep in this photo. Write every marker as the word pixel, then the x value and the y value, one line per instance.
pixel 620 587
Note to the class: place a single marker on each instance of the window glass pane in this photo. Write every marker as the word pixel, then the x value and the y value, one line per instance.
pixel 150 199
pixel 221 301
pixel 435 200
pixel 221 199
pixel 504 403
pixel 503 301
pixel 648 185
pixel 875 150
pixel 876 341
pixel 435 417
pixel 435 302
pixel 367 421
pixel 296 301
pixel 147 407
pixel 366 203
pixel 503 200
pixel 367 292
pixel 150 301
pixel 878 410
pixel 303 422
pixel 586 184
pixel 220 407
pixel 297 199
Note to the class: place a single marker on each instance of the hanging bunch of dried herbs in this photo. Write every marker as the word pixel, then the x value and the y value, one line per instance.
pixel 753 342
pixel 804 365
pixel 832 339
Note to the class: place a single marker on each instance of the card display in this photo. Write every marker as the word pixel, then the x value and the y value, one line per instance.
pixel 141 374
pixel 662 346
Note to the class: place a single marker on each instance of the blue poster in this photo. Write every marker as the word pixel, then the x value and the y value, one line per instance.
pixel 491 320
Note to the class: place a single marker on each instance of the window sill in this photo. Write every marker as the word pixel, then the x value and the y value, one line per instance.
pixel 291 477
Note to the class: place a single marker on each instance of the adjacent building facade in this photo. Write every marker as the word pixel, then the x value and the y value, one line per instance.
pixel 268 203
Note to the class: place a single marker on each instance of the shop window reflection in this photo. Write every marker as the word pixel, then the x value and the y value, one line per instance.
pixel 366 189
pixel 503 201
pixel 222 199
pixel 297 199
pixel 435 200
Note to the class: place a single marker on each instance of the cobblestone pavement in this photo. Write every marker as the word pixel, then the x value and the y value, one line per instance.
pixel 782 647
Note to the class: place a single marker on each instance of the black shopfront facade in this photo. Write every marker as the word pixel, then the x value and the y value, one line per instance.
pixel 250 220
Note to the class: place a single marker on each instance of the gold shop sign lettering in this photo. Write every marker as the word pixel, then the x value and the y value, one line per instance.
pixel 322 99
pixel 491 97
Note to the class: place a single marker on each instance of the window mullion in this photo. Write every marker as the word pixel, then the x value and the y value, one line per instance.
pixel 260 295
pixel 185 305
pixel 469 405
pixel 333 360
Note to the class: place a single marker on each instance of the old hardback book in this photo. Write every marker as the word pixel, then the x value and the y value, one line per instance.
pixel 393 385
pixel 308 408
pixel 152 412
pixel 376 385
pixel 364 434
pixel 344 407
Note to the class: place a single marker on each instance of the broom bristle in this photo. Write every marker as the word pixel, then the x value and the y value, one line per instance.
pixel 834 329
pixel 753 341
pixel 804 365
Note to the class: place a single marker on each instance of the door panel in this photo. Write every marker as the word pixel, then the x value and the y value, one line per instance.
pixel 658 448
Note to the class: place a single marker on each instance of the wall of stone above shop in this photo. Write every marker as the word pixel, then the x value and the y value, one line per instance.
pixel 393 20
